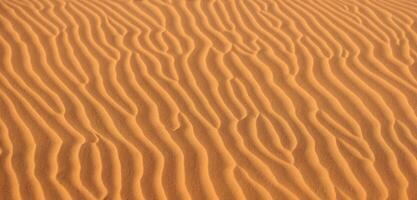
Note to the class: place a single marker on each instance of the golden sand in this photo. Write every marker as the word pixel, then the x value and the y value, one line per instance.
pixel 208 99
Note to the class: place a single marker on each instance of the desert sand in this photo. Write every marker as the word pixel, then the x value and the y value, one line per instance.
pixel 208 99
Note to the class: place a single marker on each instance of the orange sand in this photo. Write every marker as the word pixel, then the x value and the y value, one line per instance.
pixel 208 99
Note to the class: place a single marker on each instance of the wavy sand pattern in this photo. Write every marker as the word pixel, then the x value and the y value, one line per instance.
pixel 208 99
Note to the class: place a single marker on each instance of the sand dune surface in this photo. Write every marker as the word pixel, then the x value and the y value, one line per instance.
pixel 208 99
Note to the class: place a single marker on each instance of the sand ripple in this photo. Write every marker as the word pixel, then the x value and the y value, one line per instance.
pixel 208 99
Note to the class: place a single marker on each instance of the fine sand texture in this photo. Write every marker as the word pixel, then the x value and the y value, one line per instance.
pixel 208 99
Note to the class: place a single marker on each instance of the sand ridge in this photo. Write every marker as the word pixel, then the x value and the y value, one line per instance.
pixel 208 99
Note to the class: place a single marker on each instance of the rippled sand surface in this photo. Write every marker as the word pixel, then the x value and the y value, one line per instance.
pixel 208 99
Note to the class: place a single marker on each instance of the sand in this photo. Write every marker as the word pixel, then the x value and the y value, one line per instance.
pixel 208 99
